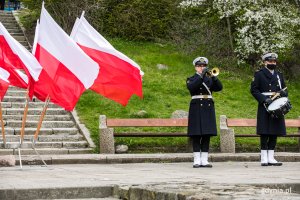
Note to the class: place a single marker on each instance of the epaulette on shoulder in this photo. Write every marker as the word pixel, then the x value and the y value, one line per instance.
pixel 191 77
pixel 258 70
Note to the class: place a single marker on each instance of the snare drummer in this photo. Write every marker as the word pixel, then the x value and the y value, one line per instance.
pixel 264 86
pixel 202 118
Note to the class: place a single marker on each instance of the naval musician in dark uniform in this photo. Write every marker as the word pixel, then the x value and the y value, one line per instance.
pixel 266 83
pixel 202 117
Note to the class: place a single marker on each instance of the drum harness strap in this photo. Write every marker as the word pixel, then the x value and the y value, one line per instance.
pixel 279 82
pixel 272 93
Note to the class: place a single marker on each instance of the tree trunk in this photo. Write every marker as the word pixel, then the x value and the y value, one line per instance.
pixel 229 33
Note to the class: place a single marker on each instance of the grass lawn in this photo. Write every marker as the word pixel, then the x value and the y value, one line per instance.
pixel 165 91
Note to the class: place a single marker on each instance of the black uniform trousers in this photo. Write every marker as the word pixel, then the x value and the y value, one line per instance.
pixel 268 142
pixel 201 143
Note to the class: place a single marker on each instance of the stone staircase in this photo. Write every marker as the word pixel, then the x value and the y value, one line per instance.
pixel 60 132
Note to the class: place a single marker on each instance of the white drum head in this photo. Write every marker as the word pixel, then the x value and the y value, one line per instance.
pixel 278 103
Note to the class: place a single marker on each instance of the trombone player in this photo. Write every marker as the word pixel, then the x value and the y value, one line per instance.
pixel 202 117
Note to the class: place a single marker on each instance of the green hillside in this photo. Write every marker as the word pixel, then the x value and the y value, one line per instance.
pixel 165 91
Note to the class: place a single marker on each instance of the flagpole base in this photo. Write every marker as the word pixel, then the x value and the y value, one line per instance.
pixel 19 153
pixel 33 141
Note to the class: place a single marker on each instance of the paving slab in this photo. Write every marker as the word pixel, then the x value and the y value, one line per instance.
pixel 230 180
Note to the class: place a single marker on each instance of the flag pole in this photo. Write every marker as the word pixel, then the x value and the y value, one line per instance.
pixel 23 126
pixel 2 125
pixel 35 137
pixel 24 118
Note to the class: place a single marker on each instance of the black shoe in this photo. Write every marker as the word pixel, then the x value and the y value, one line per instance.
pixel 208 166
pixel 196 166
pixel 264 164
pixel 275 164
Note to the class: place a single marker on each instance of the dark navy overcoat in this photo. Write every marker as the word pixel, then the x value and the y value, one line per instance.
pixel 265 81
pixel 202 117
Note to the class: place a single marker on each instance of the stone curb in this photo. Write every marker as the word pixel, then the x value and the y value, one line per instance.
pixel 181 191
pixel 56 193
pixel 82 129
pixel 150 158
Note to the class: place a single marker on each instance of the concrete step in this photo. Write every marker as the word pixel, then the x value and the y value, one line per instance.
pixel 17 34
pixel 38 144
pixel 17 99
pixel 14 30
pixel 105 198
pixel 43 131
pixel 24 43
pixel 5 13
pixel 46 151
pixel 31 105
pixel 8 131
pixel 45 138
pixel 34 111
pixel 11 24
pixel 19 37
pixel 45 124
pixel 14 93
pixel 37 117
pixel 14 88
pixel 7 19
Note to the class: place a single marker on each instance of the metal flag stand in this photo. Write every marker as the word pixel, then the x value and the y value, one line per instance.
pixel 35 137
pixel 36 134
pixel 2 125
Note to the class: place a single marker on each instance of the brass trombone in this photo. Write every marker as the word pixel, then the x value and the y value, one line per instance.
pixel 213 72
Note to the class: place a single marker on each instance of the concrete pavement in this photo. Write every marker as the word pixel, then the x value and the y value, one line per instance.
pixel 226 180
pixel 153 158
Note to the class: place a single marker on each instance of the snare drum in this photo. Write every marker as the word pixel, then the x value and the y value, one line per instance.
pixel 279 107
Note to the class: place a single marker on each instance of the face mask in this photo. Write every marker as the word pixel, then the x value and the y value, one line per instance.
pixel 271 66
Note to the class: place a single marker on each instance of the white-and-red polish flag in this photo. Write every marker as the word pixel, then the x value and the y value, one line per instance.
pixel 67 70
pixel 14 57
pixel 119 77
pixel 4 82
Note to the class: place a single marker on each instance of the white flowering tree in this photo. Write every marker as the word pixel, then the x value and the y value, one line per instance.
pixel 269 28
pixel 260 25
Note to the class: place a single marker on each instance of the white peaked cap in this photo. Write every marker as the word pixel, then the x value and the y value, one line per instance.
pixel 203 60
pixel 271 56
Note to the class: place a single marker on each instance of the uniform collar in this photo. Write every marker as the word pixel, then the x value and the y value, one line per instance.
pixel 268 73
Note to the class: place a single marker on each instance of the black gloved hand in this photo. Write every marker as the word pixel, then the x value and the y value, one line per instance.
pixel 214 78
pixel 205 70
pixel 283 93
pixel 268 101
